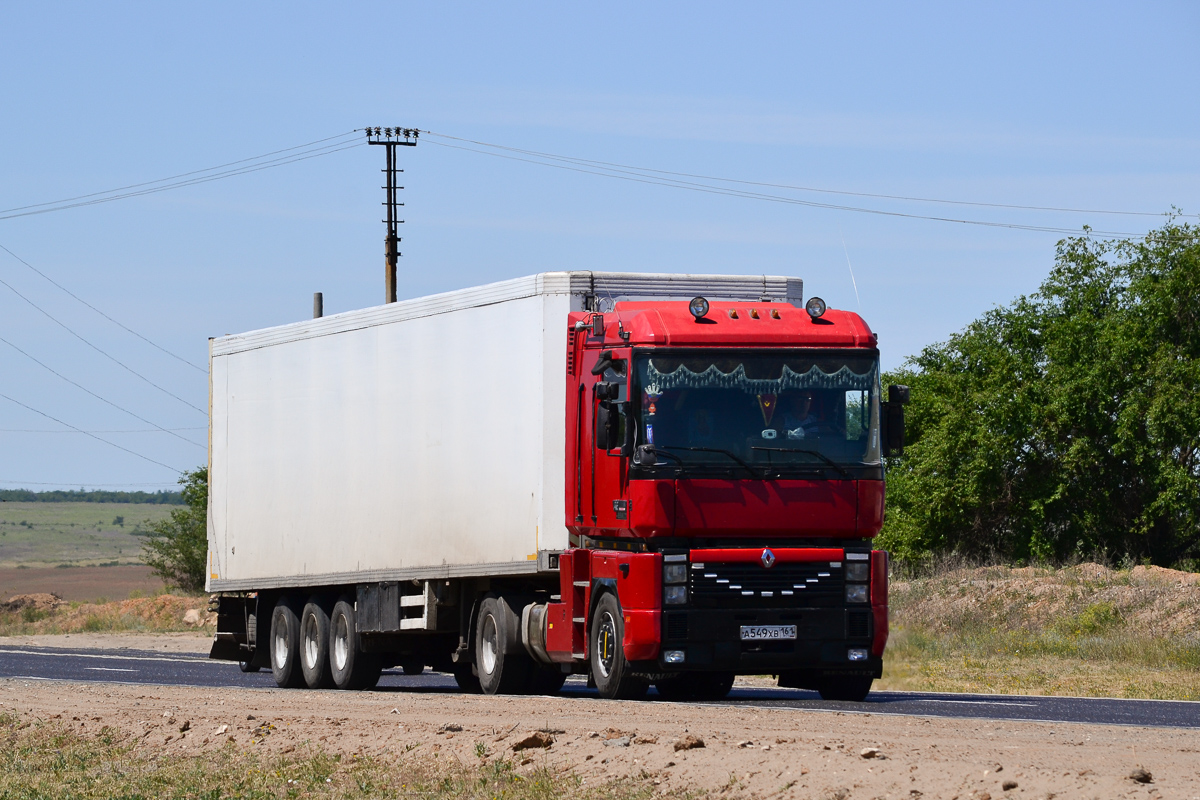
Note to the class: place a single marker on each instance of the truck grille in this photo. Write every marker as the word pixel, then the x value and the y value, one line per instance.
pixel 785 585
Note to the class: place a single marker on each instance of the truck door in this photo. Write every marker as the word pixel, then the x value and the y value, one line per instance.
pixel 606 488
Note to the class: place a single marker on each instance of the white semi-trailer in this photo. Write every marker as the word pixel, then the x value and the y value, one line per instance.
pixel 409 484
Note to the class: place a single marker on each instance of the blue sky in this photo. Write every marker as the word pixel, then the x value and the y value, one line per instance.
pixel 1066 105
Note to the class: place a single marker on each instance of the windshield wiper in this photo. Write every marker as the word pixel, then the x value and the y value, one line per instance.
pixel 747 467
pixel 821 456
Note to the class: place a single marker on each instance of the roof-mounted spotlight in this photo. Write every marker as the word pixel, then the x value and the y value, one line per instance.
pixel 815 307
pixel 699 307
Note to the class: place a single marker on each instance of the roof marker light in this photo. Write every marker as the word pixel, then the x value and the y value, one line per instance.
pixel 698 307
pixel 815 307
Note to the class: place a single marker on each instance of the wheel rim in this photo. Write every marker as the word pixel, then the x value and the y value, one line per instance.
pixel 312 647
pixel 280 651
pixel 341 642
pixel 491 645
pixel 606 639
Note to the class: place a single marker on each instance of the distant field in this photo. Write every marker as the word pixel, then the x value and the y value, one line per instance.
pixel 80 534
pixel 86 584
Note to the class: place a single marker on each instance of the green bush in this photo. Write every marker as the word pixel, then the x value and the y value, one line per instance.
pixel 1066 424
pixel 177 548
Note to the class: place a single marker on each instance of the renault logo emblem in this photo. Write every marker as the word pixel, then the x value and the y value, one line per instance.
pixel 767 558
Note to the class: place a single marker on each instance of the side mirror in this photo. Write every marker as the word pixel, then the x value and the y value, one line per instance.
pixel 898 395
pixel 893 429
pixel 644 456
pixel 607 391
pixel 603 362
pixel 606 426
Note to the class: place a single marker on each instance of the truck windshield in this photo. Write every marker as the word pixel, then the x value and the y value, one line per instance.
pixel 773 410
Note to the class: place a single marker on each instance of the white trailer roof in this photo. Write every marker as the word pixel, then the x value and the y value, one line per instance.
pixel 597 291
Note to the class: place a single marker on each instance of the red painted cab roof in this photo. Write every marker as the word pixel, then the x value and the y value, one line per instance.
pixel 732 323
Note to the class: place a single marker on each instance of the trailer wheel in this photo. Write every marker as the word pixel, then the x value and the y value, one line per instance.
pixel 285 645
pixel 466 679
pixel 314 646
pixel 609 668
pixel 852 688
pixel 350 667
pixel 499 672
pixel 695 686
pixel 545 680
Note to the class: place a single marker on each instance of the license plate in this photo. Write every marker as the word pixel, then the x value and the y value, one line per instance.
pixel 751 632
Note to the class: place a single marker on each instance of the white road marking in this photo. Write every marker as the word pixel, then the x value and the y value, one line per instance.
pixel 110 669
pixel 192 659
pixel 981 702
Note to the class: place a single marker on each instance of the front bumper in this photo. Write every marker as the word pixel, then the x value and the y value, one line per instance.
pixel 711 641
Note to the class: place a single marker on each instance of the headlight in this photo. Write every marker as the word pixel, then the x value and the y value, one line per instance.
pixel 673 656
pixel 698 307
pixel 858 571
pixel 815 307
pixel 857 654
pixel 677 595
pixel 856 593
pixel 675 573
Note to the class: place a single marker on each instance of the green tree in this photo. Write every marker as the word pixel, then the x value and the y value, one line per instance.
pixel 177 549
pixel 1066 423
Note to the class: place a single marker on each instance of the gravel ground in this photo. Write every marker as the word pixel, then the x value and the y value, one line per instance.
pixel 746 751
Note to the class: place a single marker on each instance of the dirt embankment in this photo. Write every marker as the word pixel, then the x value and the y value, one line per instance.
pixel 43 613
pixel 1087 598
pixel 745 752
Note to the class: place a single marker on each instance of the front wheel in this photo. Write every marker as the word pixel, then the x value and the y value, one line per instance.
pixel 610 670
pixel 850 688
pixel 696 686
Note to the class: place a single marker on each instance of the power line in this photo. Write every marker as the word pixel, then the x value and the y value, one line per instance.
pixel 98 397
pixel 117 430
pixel 113 359
pixel 632 175
pixel 180 175
pixel 80 484
pixel 62 205
pixel 101 313
pixel 94 436
pixel 592 162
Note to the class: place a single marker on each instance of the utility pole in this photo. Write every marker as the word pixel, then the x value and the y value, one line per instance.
pixel 391 138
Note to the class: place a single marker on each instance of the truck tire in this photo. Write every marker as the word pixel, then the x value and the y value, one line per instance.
pixel 610 670
pixel 350 667
pixel 285 645
pixel 314 645
pixel 499 672
pixel 545 680
pixel 247 665
pixel 851 688
pixel 695 686
pixel 413 667
pixel 465 677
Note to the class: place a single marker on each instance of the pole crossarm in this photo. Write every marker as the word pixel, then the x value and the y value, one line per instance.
pixel 391 138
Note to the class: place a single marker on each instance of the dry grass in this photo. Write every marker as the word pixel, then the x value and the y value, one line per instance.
pixel 1086 630
pixel 161 614
pixel 48 760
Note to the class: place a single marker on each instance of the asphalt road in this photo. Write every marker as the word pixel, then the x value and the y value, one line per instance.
pixel 142 667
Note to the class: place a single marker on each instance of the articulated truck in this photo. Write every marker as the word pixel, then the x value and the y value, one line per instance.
pixel 648 479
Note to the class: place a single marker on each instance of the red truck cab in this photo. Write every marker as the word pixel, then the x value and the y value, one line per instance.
pixel 724 481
